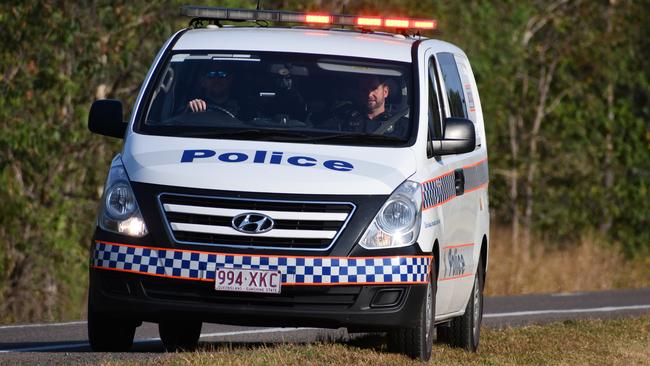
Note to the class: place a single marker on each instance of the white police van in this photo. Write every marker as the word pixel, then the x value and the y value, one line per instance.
pixel 327 175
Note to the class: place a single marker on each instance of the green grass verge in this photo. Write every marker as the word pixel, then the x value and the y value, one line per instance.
pixel 584 342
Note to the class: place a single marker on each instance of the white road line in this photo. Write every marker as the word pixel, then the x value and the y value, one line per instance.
pixel 567 311
pixel 46 348
pixel 258 331
pixel 41 325
pixel 150 340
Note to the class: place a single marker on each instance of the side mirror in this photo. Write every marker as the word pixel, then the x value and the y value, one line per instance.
pixel 459 138
pixel 105 118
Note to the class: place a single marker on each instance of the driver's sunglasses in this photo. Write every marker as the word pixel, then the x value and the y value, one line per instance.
pixel 217 75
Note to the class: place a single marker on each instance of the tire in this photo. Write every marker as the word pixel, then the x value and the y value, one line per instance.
pixel 464 331
pixel 180 335
pixel 109 334
pixel 417 342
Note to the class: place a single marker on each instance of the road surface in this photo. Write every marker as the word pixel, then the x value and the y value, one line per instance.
pixel 66 343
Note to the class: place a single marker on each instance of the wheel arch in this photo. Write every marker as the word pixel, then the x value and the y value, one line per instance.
pixel 484 256
pixel 436 258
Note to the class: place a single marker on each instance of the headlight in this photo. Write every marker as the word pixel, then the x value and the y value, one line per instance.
pixel 120 203
pixel 120 212
pixel 398 222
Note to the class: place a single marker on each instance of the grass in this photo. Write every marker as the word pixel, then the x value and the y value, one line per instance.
pixel 585 342
pixel 587 265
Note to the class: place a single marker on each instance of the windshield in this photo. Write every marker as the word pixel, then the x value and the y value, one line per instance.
pixel 282 97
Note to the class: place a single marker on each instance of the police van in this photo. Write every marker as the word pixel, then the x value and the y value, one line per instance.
pixel 328 172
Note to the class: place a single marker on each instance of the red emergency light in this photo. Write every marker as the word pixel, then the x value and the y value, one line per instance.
pixel 367 22
pixel 319 19
pixel 397 23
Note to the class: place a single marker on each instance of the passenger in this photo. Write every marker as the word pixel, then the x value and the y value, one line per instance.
pixel 370 114
pixel 216 85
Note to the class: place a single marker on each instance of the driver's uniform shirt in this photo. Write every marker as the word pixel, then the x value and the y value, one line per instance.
pixel 359 122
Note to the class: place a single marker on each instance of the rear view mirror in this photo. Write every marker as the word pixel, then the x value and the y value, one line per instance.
pixel 105 118
pixel 459 138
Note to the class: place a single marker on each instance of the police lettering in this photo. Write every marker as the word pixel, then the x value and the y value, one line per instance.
pixel 264 157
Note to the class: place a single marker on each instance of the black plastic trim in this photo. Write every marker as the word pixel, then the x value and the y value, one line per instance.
pixel 146 101
pixel 125 295
pixel 415 102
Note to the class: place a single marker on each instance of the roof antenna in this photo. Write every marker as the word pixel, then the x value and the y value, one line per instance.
pixel 258 4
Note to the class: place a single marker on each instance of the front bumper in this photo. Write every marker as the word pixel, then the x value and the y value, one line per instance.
pixel 150 284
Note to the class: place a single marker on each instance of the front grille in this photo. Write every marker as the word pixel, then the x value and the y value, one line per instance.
pixel 206 220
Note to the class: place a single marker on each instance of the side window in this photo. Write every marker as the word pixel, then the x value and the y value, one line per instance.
pixel 435 128
pixel 466 78
pixel 455 95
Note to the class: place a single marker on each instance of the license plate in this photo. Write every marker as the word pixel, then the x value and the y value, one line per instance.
pixel 247 280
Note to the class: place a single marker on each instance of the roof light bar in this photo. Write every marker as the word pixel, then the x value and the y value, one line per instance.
pixel 214 13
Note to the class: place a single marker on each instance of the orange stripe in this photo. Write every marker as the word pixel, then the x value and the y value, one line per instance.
pixel 477 188
pixel 451 171
pixel 356 283
pixel 459 246
pixel 438 177
pixel 456 277
pixel 454 196
pixel 475 164
pixel 255 255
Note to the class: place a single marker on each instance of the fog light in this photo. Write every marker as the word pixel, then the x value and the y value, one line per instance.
pixel 386 298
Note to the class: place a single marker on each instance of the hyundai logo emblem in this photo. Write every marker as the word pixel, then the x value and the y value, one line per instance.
pixel 252 223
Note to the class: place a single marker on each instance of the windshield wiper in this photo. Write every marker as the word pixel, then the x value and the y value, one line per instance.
pixel 254 133
pixel 357 137
pixel 294 136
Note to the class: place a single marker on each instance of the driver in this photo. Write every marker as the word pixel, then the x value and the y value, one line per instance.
pixel 370 114
pixel 215 85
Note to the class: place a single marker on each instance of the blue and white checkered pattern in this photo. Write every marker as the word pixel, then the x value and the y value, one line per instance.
pixel 438 190
pixel 193 265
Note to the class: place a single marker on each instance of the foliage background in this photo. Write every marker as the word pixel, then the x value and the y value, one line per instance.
pixel 565 87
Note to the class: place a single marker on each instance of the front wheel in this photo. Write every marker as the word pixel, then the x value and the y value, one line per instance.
pixel 109 334
pixel 417 342
pixel 179 335
pixel 464 331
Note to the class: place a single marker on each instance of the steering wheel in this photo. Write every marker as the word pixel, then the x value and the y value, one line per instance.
pixel 216 108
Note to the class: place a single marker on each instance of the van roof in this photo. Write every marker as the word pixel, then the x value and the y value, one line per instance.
pixel 300 40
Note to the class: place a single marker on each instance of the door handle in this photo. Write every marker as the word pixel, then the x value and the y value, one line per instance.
pixel 459 181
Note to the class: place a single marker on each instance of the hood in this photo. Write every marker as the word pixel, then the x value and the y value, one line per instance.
pixel 269 167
